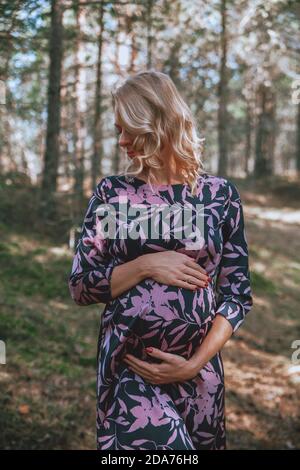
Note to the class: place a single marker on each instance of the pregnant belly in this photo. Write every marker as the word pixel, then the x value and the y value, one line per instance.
pixel 170 318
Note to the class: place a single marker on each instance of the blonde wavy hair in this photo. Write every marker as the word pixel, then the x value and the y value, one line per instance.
pixel 149 106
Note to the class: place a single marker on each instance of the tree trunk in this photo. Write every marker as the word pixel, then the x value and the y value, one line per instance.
pixel 51 158
pixel 265 133
pixel 248 137
pixel 98 148
pixel 223 97
pixel 298 141
pixel 133 53
pixel 7 152
pixel 149 33
pixel 79 103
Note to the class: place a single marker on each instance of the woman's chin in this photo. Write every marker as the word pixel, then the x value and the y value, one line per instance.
pixel 131 155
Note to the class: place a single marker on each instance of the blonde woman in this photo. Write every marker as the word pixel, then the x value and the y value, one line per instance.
pixel 172 301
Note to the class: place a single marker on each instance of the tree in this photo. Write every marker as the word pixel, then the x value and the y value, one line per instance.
pixel 52 151
pixel 223 95
pixel 265 135
pixel 79 103
pixel 98 149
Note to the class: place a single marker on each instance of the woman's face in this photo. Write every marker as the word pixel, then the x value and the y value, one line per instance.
pixel 125 140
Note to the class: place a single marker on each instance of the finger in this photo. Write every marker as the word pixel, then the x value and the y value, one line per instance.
pixel 193 264
pixel 143 365
pixel 193 275
pixel 152 378
pixel 164 356
pixel 186 285
pixel 145 375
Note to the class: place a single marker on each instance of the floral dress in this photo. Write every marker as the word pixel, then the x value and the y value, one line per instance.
pixel 131 412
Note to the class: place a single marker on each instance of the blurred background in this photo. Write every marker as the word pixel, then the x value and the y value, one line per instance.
pixel 236 63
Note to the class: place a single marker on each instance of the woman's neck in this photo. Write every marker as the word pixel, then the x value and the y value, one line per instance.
pixel 167 175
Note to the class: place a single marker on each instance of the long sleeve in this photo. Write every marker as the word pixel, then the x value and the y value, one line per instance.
pixel 92 267
pixel 233 282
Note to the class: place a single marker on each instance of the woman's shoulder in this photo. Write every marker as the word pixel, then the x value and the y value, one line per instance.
pixel 220 182
pixel 220 188
pixel 106 182
pixel 112 180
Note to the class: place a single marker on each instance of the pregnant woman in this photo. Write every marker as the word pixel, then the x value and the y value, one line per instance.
pixel 172 300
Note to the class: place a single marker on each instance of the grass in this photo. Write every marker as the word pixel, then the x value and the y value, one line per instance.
pixel 31 276
pixel 48 384
pixel 261 284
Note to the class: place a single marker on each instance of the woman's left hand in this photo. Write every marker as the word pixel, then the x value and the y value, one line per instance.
pixel 173 368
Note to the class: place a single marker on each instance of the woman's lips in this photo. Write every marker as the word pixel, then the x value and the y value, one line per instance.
pixel 130 153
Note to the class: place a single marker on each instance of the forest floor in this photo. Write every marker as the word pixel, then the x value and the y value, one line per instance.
pixel 48 384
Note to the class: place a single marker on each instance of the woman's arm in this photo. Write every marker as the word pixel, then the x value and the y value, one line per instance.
pixel 234 297
pixel 97 277
pixel 89 281
pixel 233 283
pixel 127 275
pixel 220 332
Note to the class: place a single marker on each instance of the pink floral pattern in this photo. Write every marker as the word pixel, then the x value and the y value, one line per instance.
pixel 132 413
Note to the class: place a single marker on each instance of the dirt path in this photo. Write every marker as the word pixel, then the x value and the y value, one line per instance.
pixel 263 385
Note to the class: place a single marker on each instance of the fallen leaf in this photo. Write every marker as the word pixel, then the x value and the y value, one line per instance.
pixel 24 409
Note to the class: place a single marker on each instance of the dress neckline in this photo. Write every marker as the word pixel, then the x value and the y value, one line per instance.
pixel 158 185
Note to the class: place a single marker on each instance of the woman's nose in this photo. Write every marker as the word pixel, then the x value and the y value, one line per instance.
pixel 124 140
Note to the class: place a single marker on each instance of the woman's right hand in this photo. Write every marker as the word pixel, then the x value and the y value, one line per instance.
pixel 172 268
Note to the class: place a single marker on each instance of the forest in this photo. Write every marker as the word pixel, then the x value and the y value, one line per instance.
pixel 236 64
